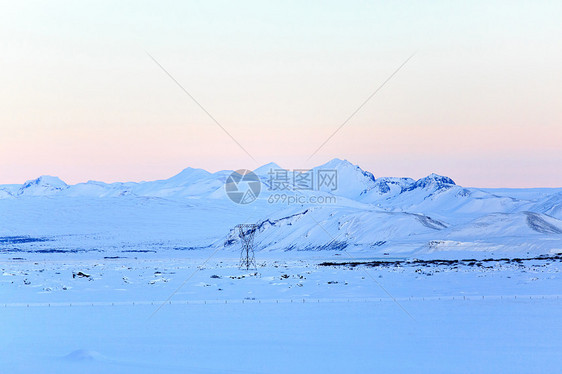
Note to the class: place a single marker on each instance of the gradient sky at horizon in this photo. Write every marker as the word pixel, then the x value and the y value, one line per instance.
pixel 480 102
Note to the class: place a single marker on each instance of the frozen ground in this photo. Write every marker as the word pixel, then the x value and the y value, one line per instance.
pixel 144 277
pixel 288 316
pixel 491 336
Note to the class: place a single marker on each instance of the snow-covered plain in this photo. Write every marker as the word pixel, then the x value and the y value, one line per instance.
pixel 144 277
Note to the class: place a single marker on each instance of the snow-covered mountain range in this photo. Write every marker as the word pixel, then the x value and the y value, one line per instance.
pixel 191 210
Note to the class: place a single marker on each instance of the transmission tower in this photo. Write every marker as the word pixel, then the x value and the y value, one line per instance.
pixel 246 232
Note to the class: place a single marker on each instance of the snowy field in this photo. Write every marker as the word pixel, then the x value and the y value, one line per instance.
pixel 447 336
pixel 288 316
pixel 394 275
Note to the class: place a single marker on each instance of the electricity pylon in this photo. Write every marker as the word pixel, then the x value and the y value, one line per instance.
pixel 246 232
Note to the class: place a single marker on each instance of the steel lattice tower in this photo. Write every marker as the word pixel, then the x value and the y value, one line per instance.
pixel 247 232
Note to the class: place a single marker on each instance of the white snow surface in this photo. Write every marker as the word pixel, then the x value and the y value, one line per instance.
pixel 192 210
pixel 145 277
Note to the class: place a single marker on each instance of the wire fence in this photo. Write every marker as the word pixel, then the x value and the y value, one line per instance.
pixel 284 301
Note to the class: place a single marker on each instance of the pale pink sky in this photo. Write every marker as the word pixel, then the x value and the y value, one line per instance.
pixel 480 102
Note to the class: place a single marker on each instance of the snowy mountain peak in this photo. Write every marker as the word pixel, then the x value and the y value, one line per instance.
pixel 432 181
pixel 191 171
pixel 345 168
pixel 267 168
pixel 44 185
pixel 351 180
pixel 337 163
pixel 439 179
pixel 188 175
